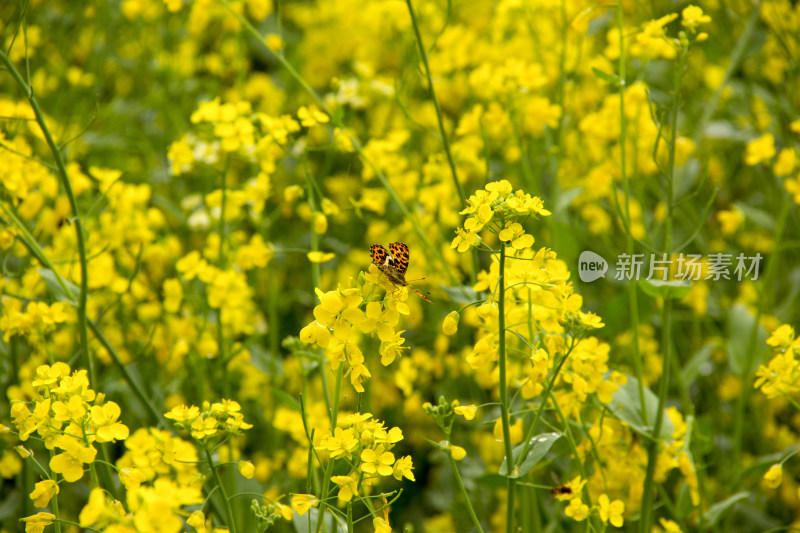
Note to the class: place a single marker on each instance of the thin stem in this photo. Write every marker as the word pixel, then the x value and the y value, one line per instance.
pixel 226 503
pixel 463 492
pixel 747 373
pixel 326 483
pixel 54 502
pixel 132 383
pixel 633 295
pixel 504 408
pixel 666 314
pixel 546 394
pixel 62 175
pixel 445 143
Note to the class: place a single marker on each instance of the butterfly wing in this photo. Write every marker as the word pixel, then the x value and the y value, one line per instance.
pixel 379 255
pixel 400 254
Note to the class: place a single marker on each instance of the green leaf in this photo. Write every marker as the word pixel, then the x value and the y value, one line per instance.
pixel 627 407
pixel 441 447
pixel 538 448
pixel 684 505
pixel 613 79
pixel 287 399
pixel 462 295
pixel 57 291
pixel 718 510
pixel 758 216
pixel 693 367
pixel 565 199
pixel 668 290
pixel 308 522
pixel 740 326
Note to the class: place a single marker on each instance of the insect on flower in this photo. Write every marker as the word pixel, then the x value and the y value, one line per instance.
pixel 394 265
pixel 561 490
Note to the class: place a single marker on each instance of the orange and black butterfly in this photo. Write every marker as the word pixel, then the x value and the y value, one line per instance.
pixel 394 265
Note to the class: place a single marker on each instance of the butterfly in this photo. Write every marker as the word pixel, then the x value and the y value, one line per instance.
pixel 394 266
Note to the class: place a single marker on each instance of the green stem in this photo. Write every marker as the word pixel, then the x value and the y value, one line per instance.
pixel 226 503
pixel 222 358
pixel 54 502
pixel 633 295
pixel 546 394
pixel 464 495
pixel 62 174
pixel 311 186
pixel 504 408
pixel 326 483
pixel 747 373
pixel 445 143
pixel 132 383
pixel 666 315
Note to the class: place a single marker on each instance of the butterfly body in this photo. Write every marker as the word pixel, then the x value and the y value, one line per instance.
pixel 394 263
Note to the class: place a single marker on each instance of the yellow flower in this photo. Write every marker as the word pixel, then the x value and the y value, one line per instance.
pixel 500 186
pixel 274 42
pixel 247 469
pixel 37 522
pixel 381 525
pixel 782 337
pixel 403 468
pixel 693 16
pixel 464 240
pixel 173 6
pixel 348 486
pixel 377 461
pixel 105 419
pixel 320 223
pixel 450 323
pixel 457 452
pixel 311 116
pixel 730 221
pixel 611 511
pixel 173 295
pixel 772 477
pixel 786 162
pixel 467 411
pixel 198 521
pixel 761 149
pixel 131 478
pixel 183 413
pixel 577 510
pixel 301 503
pixel 320 257
pixel 669 526
pixel 43 492
pixel 341 443
pixel 70 463
pixel 514 234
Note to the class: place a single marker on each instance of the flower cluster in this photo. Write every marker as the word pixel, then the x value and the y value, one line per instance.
pixel 68 416
pixel 781 375
pixel 343 315
pixel 214 420
pixel 498 209
pixel 362 445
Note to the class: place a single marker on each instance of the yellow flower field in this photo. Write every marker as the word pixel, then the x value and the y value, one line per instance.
pixel 399 265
